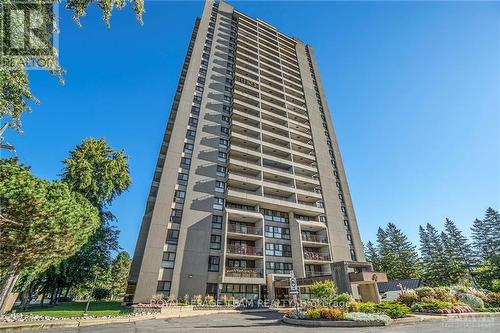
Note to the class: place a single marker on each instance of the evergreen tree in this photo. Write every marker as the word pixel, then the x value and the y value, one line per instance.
pixel 461 250
pixel 452 263
pixel 119 274
pixel 486 236
pixel 385 261
pixel 402 255
pixel 372 256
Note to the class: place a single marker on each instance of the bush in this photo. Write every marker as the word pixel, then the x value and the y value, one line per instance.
pixel 332 314
pixel 492 300
pixel 471 300
pixel 392 309
pixel 444 294
pixel 313 314
pixel 368 307
pixel 343 300
pixel 425 292
pixel 324 291
pixel 431 304
pixel 453 309
pixel 354 306
pixel 368 317
pixel 495 285
pixel 296 314
pixel 407 297
pixel 487 309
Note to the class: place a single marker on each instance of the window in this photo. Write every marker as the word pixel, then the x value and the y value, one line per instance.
pixel 353 255
pixel 240 291
pixel 319 204
pixel 188 148
pixel 224 130
pixel 279 267
pixel 163 286
pixel 172 236
pixel 179 196
pixel 218 204
pixel 322 218
pixel 215 242
pixel 176 215
pixel 278 250
pixel 223 143
pixel 222 157
pixel 185 162
pixel 197 99
pixel 190 134
pixel 199 88
pixel 221 171
pixel 219 186
pixel 216 222
pixel 182 179
pixel 277 232
pixel 225 119
pixel 195 110
pixel 168 260
pixel 226 99
pixel 229 81
pixel 274 215
pixel 226 108
pixel 193 121
pixel 213 263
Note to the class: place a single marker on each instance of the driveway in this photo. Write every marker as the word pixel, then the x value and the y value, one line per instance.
pixel 264 322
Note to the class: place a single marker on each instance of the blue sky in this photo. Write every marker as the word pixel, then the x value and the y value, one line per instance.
pixel 414 90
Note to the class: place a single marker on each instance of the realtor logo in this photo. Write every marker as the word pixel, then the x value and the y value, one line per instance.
pixel 27 32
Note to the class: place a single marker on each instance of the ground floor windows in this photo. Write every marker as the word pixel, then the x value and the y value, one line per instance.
pixel 239 291
pixel 164 287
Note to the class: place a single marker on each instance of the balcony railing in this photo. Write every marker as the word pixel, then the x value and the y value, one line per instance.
pixel 242 229
pixel 244 272
pixel 244 250
pixel 316 256
pixel 315 238
pixel 312 274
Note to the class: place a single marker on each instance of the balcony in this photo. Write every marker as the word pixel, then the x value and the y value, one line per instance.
pixel 244 272
pixel 313 274
pixel 243 250
pixel 244 229
pixel 315 256
pixel 314 238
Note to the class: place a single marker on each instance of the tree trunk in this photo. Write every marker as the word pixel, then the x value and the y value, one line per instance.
pixel 25 299
pixel 67 292
pixel 6 287
pixel 43 299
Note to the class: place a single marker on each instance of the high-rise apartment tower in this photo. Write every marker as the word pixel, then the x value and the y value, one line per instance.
pixel 249 182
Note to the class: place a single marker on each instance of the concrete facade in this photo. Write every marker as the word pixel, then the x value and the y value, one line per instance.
pixel 249 182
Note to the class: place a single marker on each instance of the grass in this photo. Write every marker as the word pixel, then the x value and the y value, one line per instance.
pixel 76 309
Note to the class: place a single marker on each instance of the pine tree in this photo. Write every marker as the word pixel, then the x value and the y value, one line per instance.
pixel 451 261
pixel 458 243
pixel 433 256
pixel 402 255
pixel 385 261
pixel 372 256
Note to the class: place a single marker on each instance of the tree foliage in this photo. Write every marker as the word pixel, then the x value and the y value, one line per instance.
pixel 16 97
pixel 394 254
pixel 43 222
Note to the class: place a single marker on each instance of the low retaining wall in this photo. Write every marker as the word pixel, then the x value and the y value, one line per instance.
pixel 330 323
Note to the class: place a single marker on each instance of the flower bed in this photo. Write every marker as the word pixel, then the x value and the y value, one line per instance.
pixel 335 317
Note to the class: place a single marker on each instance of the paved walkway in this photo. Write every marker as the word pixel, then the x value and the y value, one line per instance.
pixel 269 322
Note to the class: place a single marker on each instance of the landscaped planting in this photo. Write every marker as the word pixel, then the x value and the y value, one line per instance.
pixel 368 317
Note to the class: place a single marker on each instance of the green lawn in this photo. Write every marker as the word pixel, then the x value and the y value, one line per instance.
pixel 76 309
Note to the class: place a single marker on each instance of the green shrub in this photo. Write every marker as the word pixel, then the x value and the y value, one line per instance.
pixel 445 294
pixel 407 297
pixel 344 297
pixel 368 317
pixel 313 314
pixel 471 300
pixel 324 291
pixel 425 292
pixel 392 309
pixel 432 304
pixel 487 309
pixel 495 285
pixel 368 307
